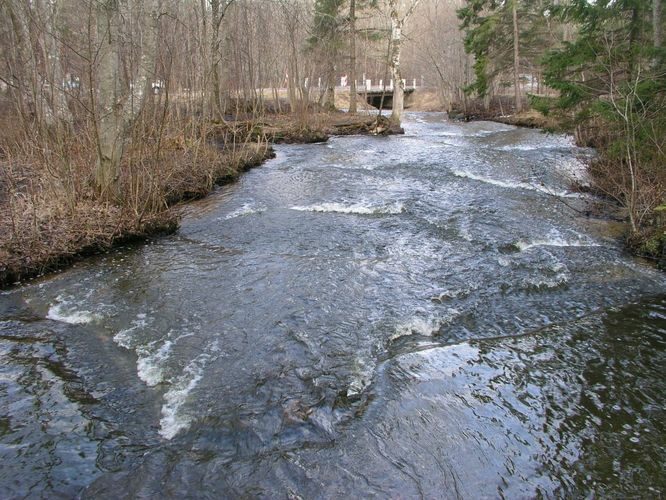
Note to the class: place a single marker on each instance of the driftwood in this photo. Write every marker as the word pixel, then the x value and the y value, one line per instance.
pixel 276 131
pixel 375 125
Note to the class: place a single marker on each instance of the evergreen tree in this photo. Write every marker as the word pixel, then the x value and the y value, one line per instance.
pixel 613 78
pixel 507 38
pixel 490 37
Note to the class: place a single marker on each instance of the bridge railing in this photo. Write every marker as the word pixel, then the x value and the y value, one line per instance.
pixel 366 85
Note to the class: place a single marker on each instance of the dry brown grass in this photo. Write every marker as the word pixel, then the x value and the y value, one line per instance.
pixel 50 213
pixel 41 235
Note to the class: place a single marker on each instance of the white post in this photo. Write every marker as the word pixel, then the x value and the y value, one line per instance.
pixel 305 84
pixel 381 83
pixel 414 83
pixel 319 83
pixel 368 84
pixel 391 84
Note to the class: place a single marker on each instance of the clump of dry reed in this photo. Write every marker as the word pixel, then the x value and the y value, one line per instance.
pixel 50 212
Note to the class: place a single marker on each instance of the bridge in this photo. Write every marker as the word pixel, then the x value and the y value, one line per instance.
pixel 379 95
pixel 383 98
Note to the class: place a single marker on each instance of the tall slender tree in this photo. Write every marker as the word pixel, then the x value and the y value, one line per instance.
pixel 120 94
pixel 327 41
pixel 399 13
pixel 493 36
pixel 352 56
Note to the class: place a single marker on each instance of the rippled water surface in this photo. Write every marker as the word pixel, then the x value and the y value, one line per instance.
pixel 425 315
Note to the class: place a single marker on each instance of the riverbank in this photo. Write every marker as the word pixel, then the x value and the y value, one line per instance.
pixel 498 112
pixel 377 289
pixel 43 230
pixel 647 237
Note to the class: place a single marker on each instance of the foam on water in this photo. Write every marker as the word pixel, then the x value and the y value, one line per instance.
pixel 362 208
pixel 64 312
pixel 151 359
pixel 446 295
pixel 246 209
pixel 364 371
pixel 424 326
pixel 149 365
pixel 554 238
pixel 466 133
pixel 555 275
pixel 574 170
pixel 555 241
pixel 534 147
pixel 407 248
pixel 174 418
pixel 515 184
pixel 124 338
pixel 533 283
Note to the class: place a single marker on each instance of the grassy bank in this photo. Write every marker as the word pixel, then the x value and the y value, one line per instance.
pixel 51 216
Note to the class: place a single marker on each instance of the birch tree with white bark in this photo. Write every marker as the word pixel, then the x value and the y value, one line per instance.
pixel 399 12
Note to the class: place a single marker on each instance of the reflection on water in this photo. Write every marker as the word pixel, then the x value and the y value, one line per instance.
pixel 392 317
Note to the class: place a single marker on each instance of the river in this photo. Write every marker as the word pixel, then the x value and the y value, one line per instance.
pixel 427 315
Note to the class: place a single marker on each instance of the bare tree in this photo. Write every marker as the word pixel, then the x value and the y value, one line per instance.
pixel 218 10
pixel 399 14
pixel 352 56
pixel 119 99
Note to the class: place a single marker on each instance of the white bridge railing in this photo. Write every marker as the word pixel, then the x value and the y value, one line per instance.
pixel 367 85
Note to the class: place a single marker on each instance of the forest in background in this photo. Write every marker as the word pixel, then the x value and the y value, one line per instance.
pixel 113 110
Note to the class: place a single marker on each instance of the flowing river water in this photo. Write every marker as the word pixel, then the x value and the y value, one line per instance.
pixel 411 316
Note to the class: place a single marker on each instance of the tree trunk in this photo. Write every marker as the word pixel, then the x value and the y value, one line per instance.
pixel 118 100
pixel 109 123
pixel 352 57
pixel 516 58
pixel 397 24
pixel 398 85
pixel 206 59
pixel 58 98
pixel 24 67
pixel 217 16
pixel 634 37
pixel 329 94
